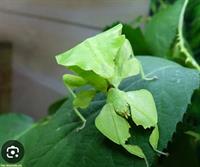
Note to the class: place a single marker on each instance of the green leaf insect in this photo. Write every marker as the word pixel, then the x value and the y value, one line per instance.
pixel 102 62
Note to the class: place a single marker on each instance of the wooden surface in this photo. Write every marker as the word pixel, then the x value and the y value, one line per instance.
pixel 94 13
pixel 40 29
pixel 5 76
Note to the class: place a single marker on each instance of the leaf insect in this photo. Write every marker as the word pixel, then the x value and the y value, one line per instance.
pixel 102 62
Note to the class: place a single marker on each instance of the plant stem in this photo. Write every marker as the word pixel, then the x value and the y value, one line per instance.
pixel 181 41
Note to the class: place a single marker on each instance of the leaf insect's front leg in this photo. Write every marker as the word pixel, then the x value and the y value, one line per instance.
pixel 143 75
pixel 76 110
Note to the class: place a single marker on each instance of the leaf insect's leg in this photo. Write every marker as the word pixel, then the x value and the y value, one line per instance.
pixel 76 110
pixel 81 117
pixel 146 161
pixel 161 153
pixel 143 75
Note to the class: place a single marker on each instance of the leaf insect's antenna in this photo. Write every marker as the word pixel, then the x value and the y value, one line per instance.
pixel 76 110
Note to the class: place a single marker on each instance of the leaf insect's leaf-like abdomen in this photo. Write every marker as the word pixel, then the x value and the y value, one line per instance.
pixel 143 108
pixel 113 126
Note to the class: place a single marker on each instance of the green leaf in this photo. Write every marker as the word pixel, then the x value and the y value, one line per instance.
pixel 83 98
pixel 192 26
pixel 56 105
pixel 165 34
pixel 12 126
pixel 181 42
pixel 57 143
pixel 143 108
pixel 161 31
pixel 95 54
pixel 112 125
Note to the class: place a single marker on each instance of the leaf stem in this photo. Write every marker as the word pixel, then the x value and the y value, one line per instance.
pixel 181 41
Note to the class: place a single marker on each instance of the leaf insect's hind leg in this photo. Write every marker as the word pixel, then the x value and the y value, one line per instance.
pixel 143 75
pixel 82 119
pixel 76 110
pixel 161 153
pixel 146 161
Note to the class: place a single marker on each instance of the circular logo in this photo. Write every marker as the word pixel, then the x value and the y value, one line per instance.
pixel 12 151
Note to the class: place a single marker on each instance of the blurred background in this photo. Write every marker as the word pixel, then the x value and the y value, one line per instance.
pixel 32 32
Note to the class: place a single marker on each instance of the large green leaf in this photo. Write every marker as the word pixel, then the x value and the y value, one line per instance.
pixel 161 31
pixel 192 22
pixel 56 105
pixel 165 35
pixel 57 143
pixel 12 126
pixel 193 27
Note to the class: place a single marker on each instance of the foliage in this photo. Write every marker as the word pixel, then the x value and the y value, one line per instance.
pixel 57 137
pixel 127 108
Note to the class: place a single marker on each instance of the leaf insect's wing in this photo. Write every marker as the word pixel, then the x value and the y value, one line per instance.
pixel 126 64
pixel 116 128
pixel 113 126
pixel 95 54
